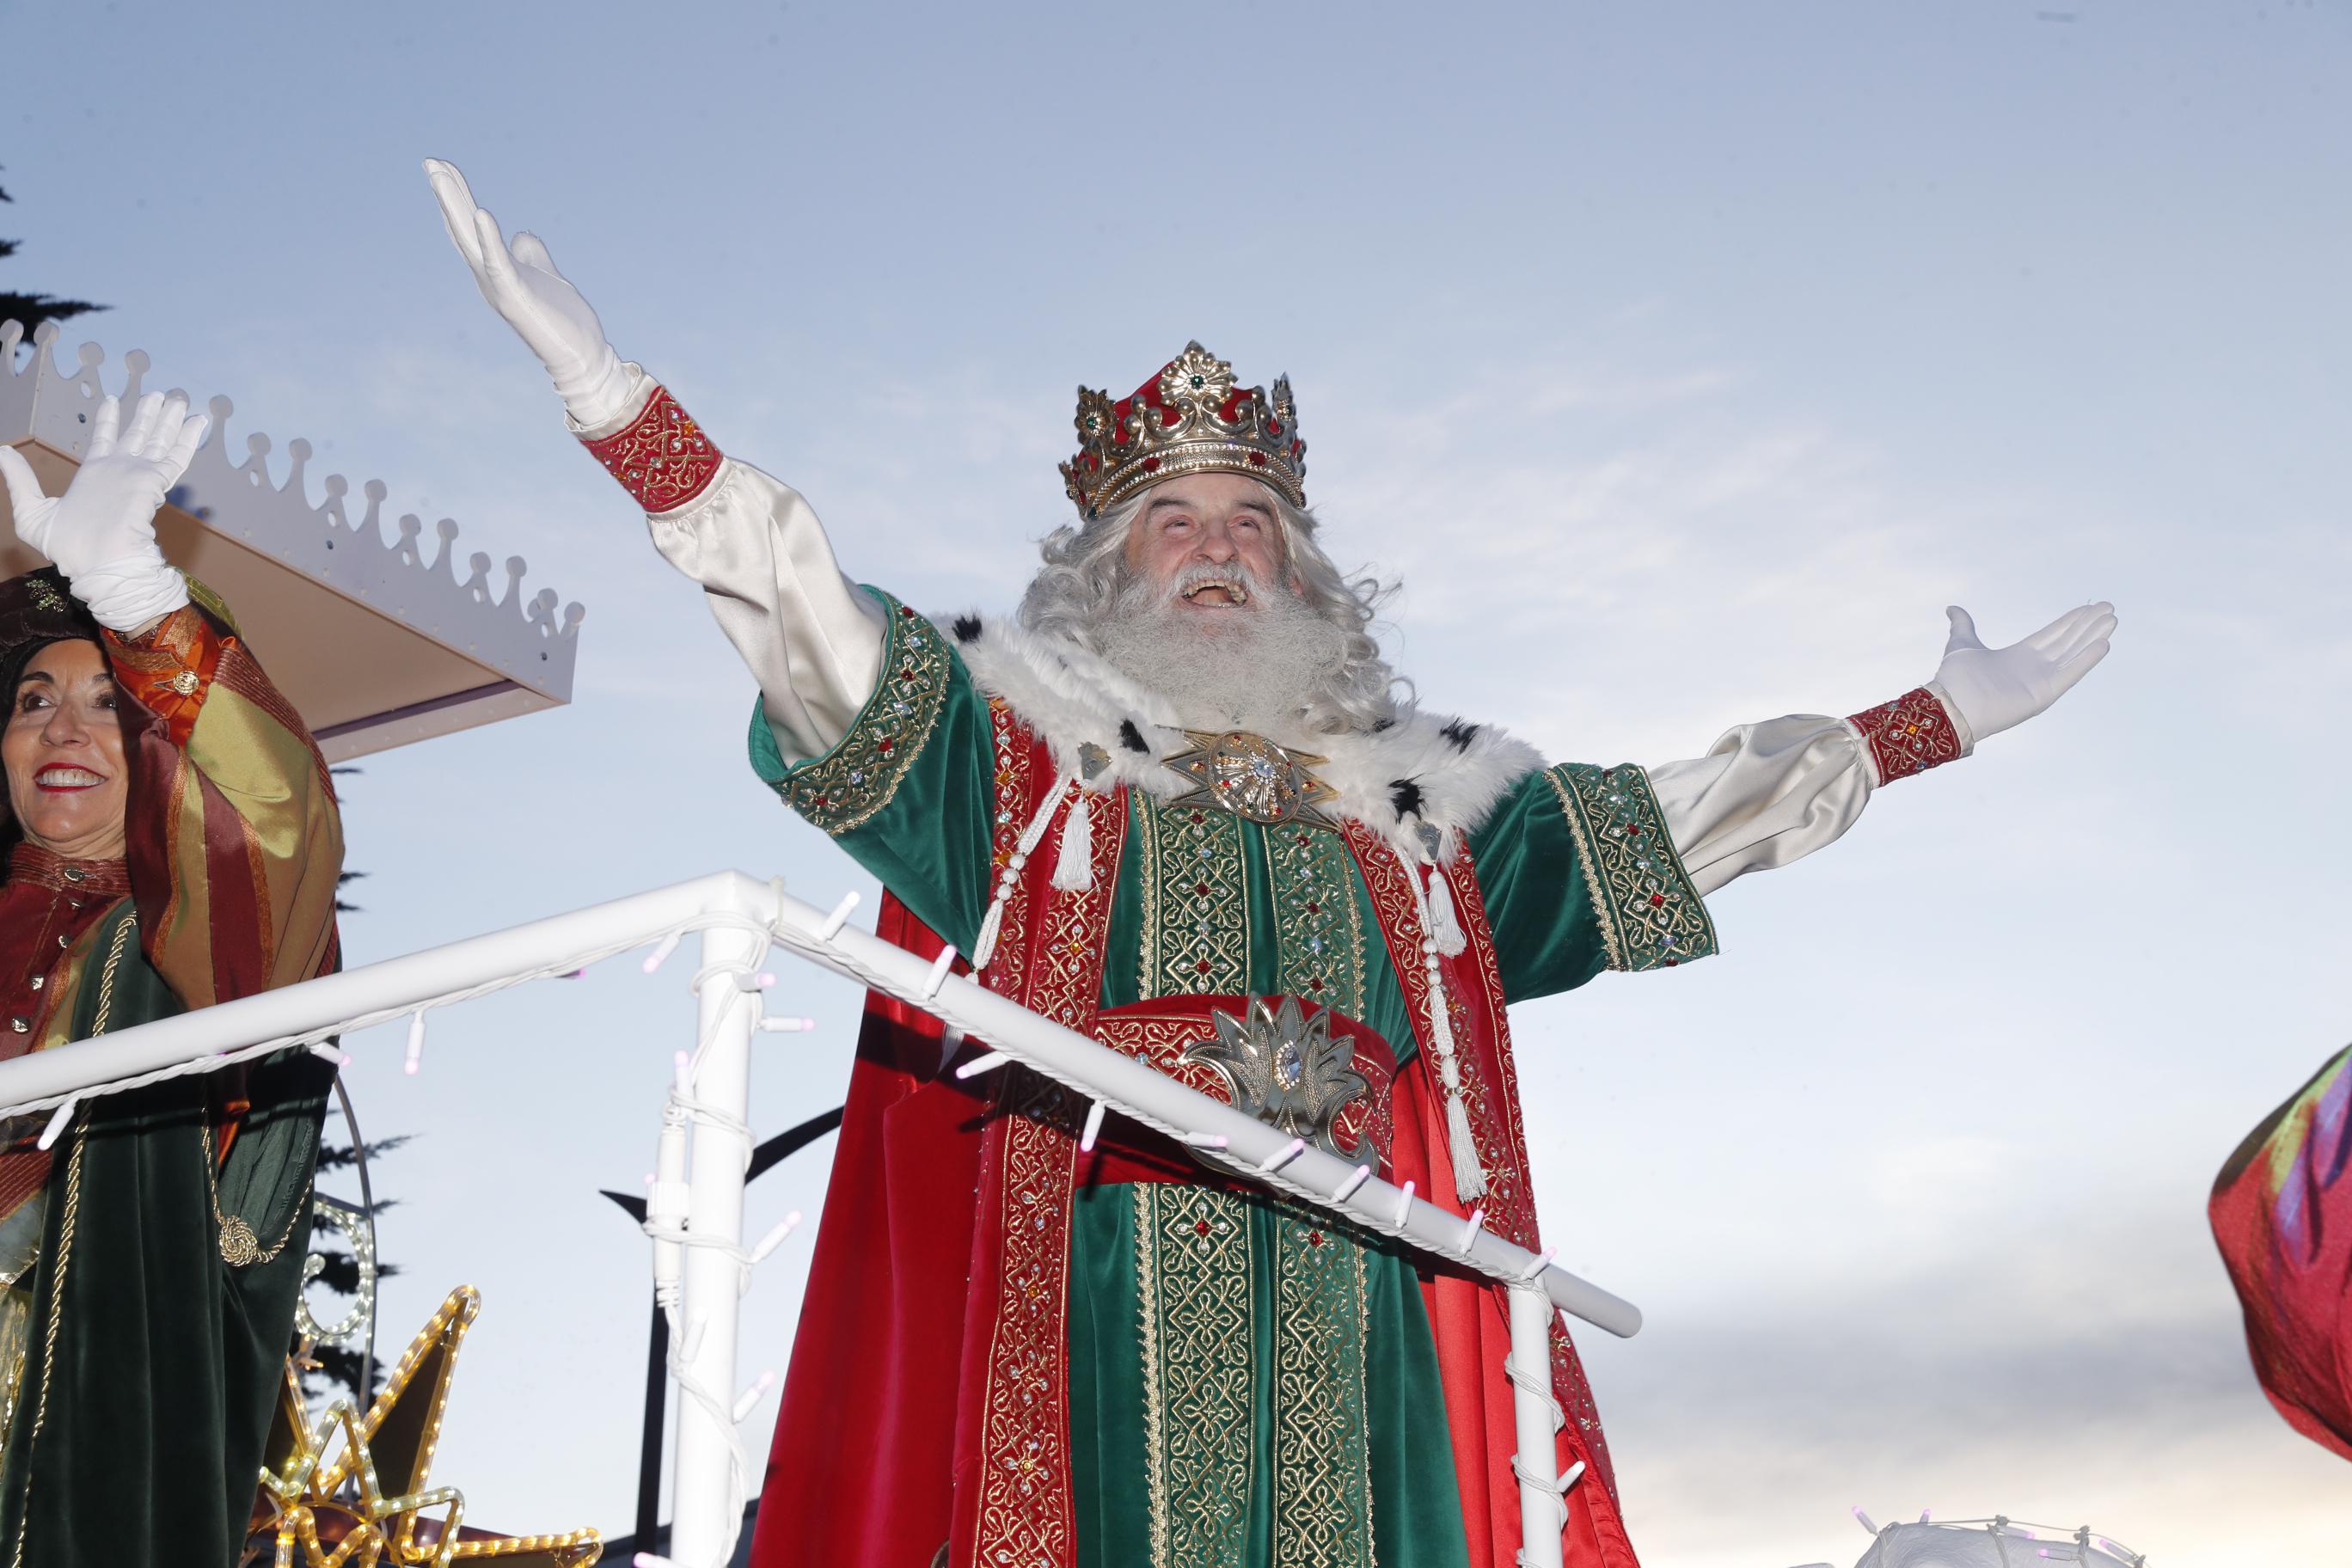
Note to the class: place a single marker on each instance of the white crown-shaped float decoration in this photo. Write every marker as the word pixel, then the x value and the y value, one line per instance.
pixel 520 652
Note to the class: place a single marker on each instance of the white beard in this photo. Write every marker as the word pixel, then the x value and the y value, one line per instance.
pixel 1254 669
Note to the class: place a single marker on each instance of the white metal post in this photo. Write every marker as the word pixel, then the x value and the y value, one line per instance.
pixel 701 1500
pixel 1542 1513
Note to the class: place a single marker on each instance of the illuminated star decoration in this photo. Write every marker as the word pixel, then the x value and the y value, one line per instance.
pixel 365 1508
pixel 1251 776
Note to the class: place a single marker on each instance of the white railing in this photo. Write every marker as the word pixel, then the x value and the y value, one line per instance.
pixel 696 1211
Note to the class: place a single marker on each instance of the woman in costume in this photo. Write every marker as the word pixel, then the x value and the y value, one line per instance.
pixel 172 841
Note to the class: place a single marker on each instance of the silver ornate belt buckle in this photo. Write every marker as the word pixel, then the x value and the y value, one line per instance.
pixel 1287 1070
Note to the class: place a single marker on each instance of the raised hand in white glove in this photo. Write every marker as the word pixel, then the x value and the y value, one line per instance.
pixel 539 303
pixel 102 531
pixel 1996 689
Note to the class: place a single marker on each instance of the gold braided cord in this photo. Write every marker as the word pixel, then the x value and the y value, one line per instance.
pixel 238 1246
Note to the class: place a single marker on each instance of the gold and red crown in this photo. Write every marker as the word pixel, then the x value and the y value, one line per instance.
pixel 1189 419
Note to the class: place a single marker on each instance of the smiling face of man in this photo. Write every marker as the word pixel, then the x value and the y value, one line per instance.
pixel 1212 590
pixel 1206 538
pixel 68 782
pixel 1211 613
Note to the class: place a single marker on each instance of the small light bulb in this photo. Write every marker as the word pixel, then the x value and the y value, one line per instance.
pixel 57 1119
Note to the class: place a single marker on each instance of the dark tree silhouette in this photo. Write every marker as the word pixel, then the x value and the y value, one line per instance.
pixel 32 310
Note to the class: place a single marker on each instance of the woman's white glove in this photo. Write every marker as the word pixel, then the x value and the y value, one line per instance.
pixel 1996 689
pixel 102 531
pixel 538 303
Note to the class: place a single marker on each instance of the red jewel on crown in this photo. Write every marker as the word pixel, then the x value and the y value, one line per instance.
pixel 1190 418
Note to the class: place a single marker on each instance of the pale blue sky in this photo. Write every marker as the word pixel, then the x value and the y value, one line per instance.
pixel 1683 360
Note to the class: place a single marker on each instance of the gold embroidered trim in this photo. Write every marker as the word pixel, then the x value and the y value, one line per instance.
pixel 1194 1269
pixel 1016 765
pixel 1025 1506
pixel 844 789
pixel 1322 1475
pixel 1388 888
pixel 1147 1312
pixel 1319 929
pixel 1494 1101
pixel 1651 917
pixel 1910 734
pixel 1196 918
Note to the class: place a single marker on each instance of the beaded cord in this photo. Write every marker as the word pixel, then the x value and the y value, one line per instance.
pixel 984 947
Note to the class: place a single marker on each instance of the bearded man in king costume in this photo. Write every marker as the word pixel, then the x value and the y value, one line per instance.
pixel 1176 804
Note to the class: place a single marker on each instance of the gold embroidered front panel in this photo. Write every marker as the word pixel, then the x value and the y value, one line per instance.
pixel 1193 1271
pixel 1203 1385
pixel 1322 1474
pixel 1196 927
pixel 1651 917
pixel 1202 1314
pixel 1318 928
pixel 844 789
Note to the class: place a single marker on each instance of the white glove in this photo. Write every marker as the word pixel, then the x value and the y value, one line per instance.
pixel 542 307
pixel 1998 688
pixel 102 531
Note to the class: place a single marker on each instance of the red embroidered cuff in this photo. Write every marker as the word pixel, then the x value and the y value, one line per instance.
pixel 169 669
pixel 1910 735
pixel 661 456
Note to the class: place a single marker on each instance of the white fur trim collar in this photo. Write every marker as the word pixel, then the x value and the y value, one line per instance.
pixel 1426 768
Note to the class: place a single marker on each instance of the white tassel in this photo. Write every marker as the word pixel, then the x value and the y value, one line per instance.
pixel 984 947
pixel 1469 1177
pixel 1444 924
pixel 1074 869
